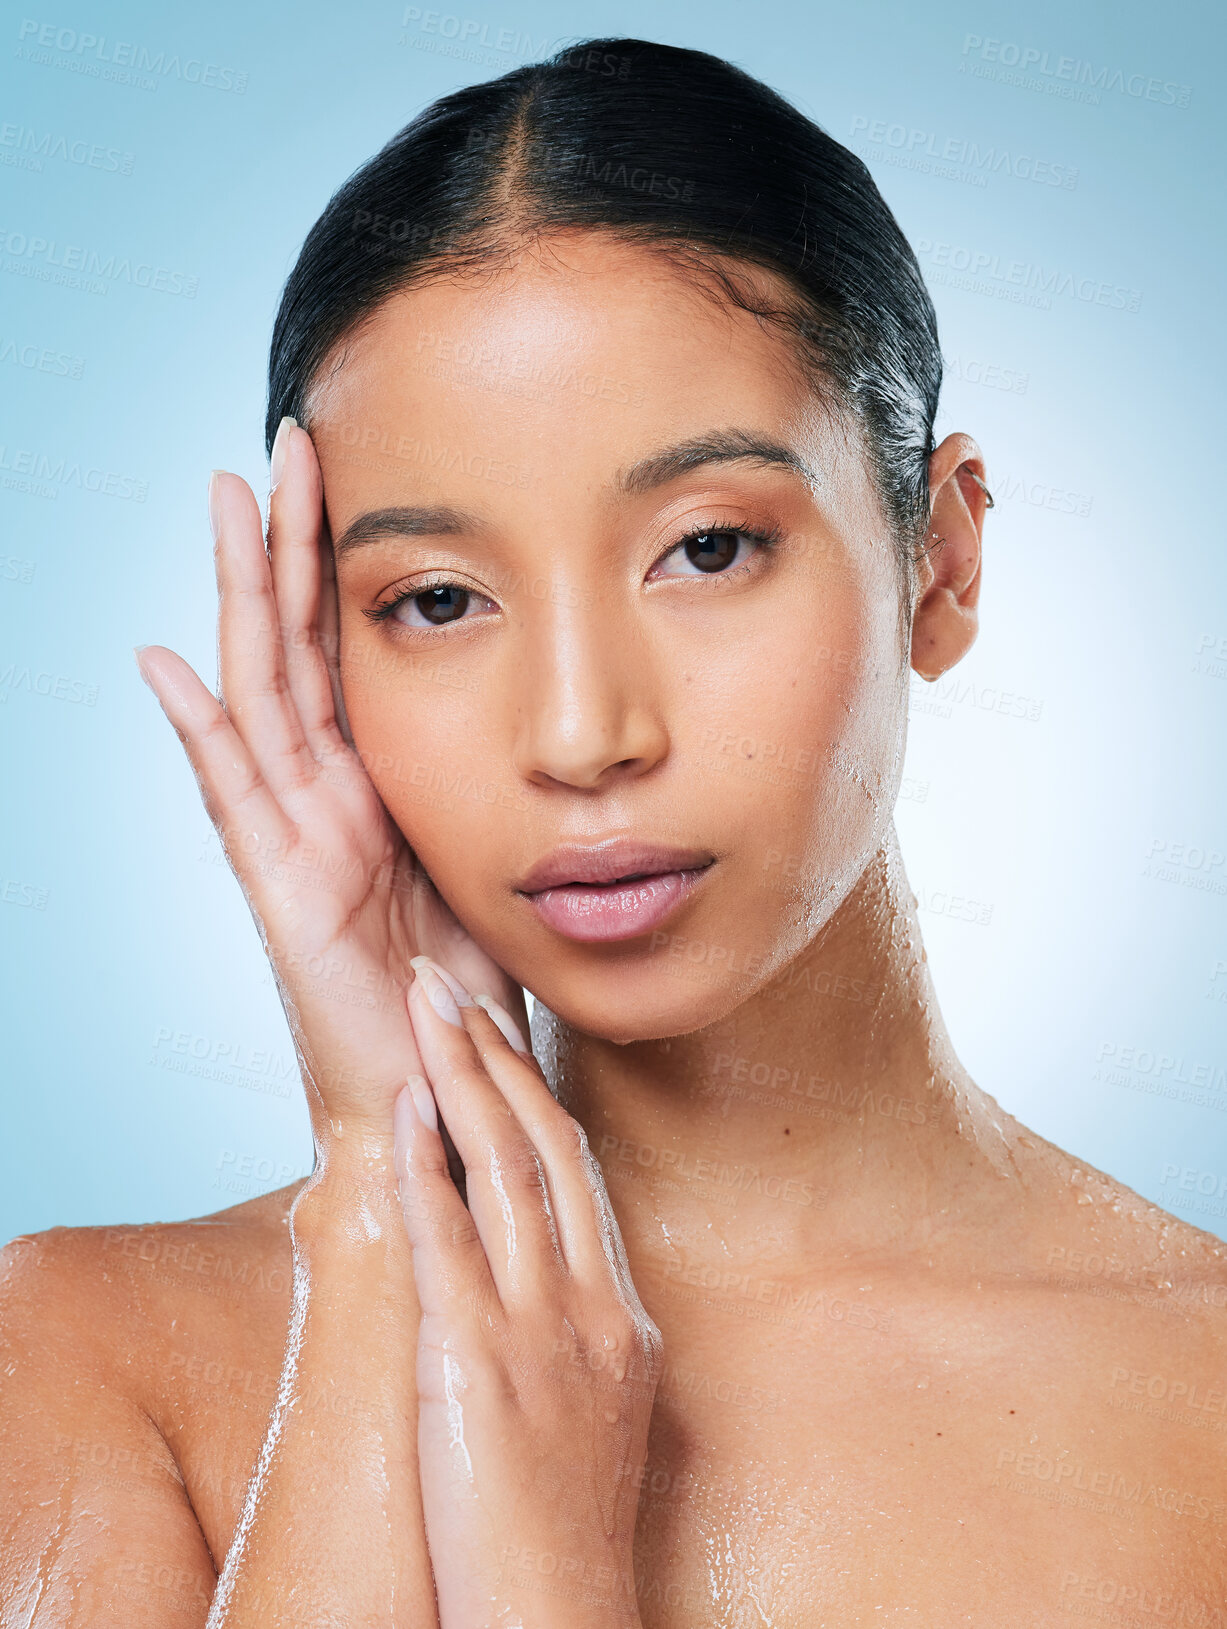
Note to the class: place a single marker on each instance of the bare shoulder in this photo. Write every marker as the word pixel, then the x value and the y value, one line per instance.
pixel 101 1331
pixel 101 1285
pixel 1092 1233
pixel 144 1307
pixel 1127 1302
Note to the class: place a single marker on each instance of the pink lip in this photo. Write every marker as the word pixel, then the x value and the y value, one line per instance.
pixel 574 890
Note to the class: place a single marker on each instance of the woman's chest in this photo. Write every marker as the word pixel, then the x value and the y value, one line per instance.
pixel 873 1469
pixel 1018 1473
pixel 859 1520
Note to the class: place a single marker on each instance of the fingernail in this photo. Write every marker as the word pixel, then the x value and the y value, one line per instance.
pixel 463 998
pixel 436 991
pixel 505 1022
pixel 213 502
pixel 140 668
pixel 276 459
pixel 423 1101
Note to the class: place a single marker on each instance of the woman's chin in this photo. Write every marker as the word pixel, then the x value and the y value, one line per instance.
pixel 656 1017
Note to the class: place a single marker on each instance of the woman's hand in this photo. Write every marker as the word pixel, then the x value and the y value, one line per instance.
pixel 537 1364
pixel 341 902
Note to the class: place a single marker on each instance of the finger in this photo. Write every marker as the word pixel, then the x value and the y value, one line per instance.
pixel 449 1264
pixel 248 817
pixel 330 626
pixel 295 523
pixel 507 1026
pixel 449 945
pixel 254 688
pixel 588 1231
pixel 507 1190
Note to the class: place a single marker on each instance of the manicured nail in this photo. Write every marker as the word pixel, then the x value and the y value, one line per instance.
pixel 463 998
pixel 213 502
pixel 505 1022
pixel 423 1101
pixel 436 991
pixel 276 460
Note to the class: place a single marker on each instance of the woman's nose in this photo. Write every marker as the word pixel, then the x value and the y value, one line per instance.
pixel 588 709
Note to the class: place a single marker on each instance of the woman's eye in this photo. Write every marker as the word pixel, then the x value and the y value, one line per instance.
pixel 714 550
pixel 435 606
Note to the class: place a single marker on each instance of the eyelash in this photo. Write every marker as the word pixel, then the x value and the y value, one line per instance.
pixel 766 539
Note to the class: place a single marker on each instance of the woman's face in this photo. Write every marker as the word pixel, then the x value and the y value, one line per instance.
pixel 585 638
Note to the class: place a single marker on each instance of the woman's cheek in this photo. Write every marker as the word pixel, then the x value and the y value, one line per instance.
pixel 416 738
pixel 839 721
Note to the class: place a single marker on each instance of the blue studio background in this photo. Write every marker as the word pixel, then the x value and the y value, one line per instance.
pixel 1056 167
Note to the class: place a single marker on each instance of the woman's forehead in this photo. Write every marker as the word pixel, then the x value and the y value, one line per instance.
pixel 622 317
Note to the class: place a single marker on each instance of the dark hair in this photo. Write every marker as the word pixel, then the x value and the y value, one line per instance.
pixel 656 144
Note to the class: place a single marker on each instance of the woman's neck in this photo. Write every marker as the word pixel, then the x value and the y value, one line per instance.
pixel 824 1117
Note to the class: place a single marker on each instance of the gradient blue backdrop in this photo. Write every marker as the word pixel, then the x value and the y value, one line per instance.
pixel 1057 167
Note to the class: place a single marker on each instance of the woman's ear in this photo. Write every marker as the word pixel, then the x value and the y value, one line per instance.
pixel 945 620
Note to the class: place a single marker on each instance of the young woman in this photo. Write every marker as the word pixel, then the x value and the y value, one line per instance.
pixel 606 527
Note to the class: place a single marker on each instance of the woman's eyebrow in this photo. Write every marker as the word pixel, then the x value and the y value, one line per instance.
pixel 417 520
pixel 713 447
pixel 656 469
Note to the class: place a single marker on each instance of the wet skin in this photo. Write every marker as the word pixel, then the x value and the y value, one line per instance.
pixel 920 1365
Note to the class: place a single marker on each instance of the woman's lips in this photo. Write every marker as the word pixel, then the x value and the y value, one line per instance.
pixel 592 912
